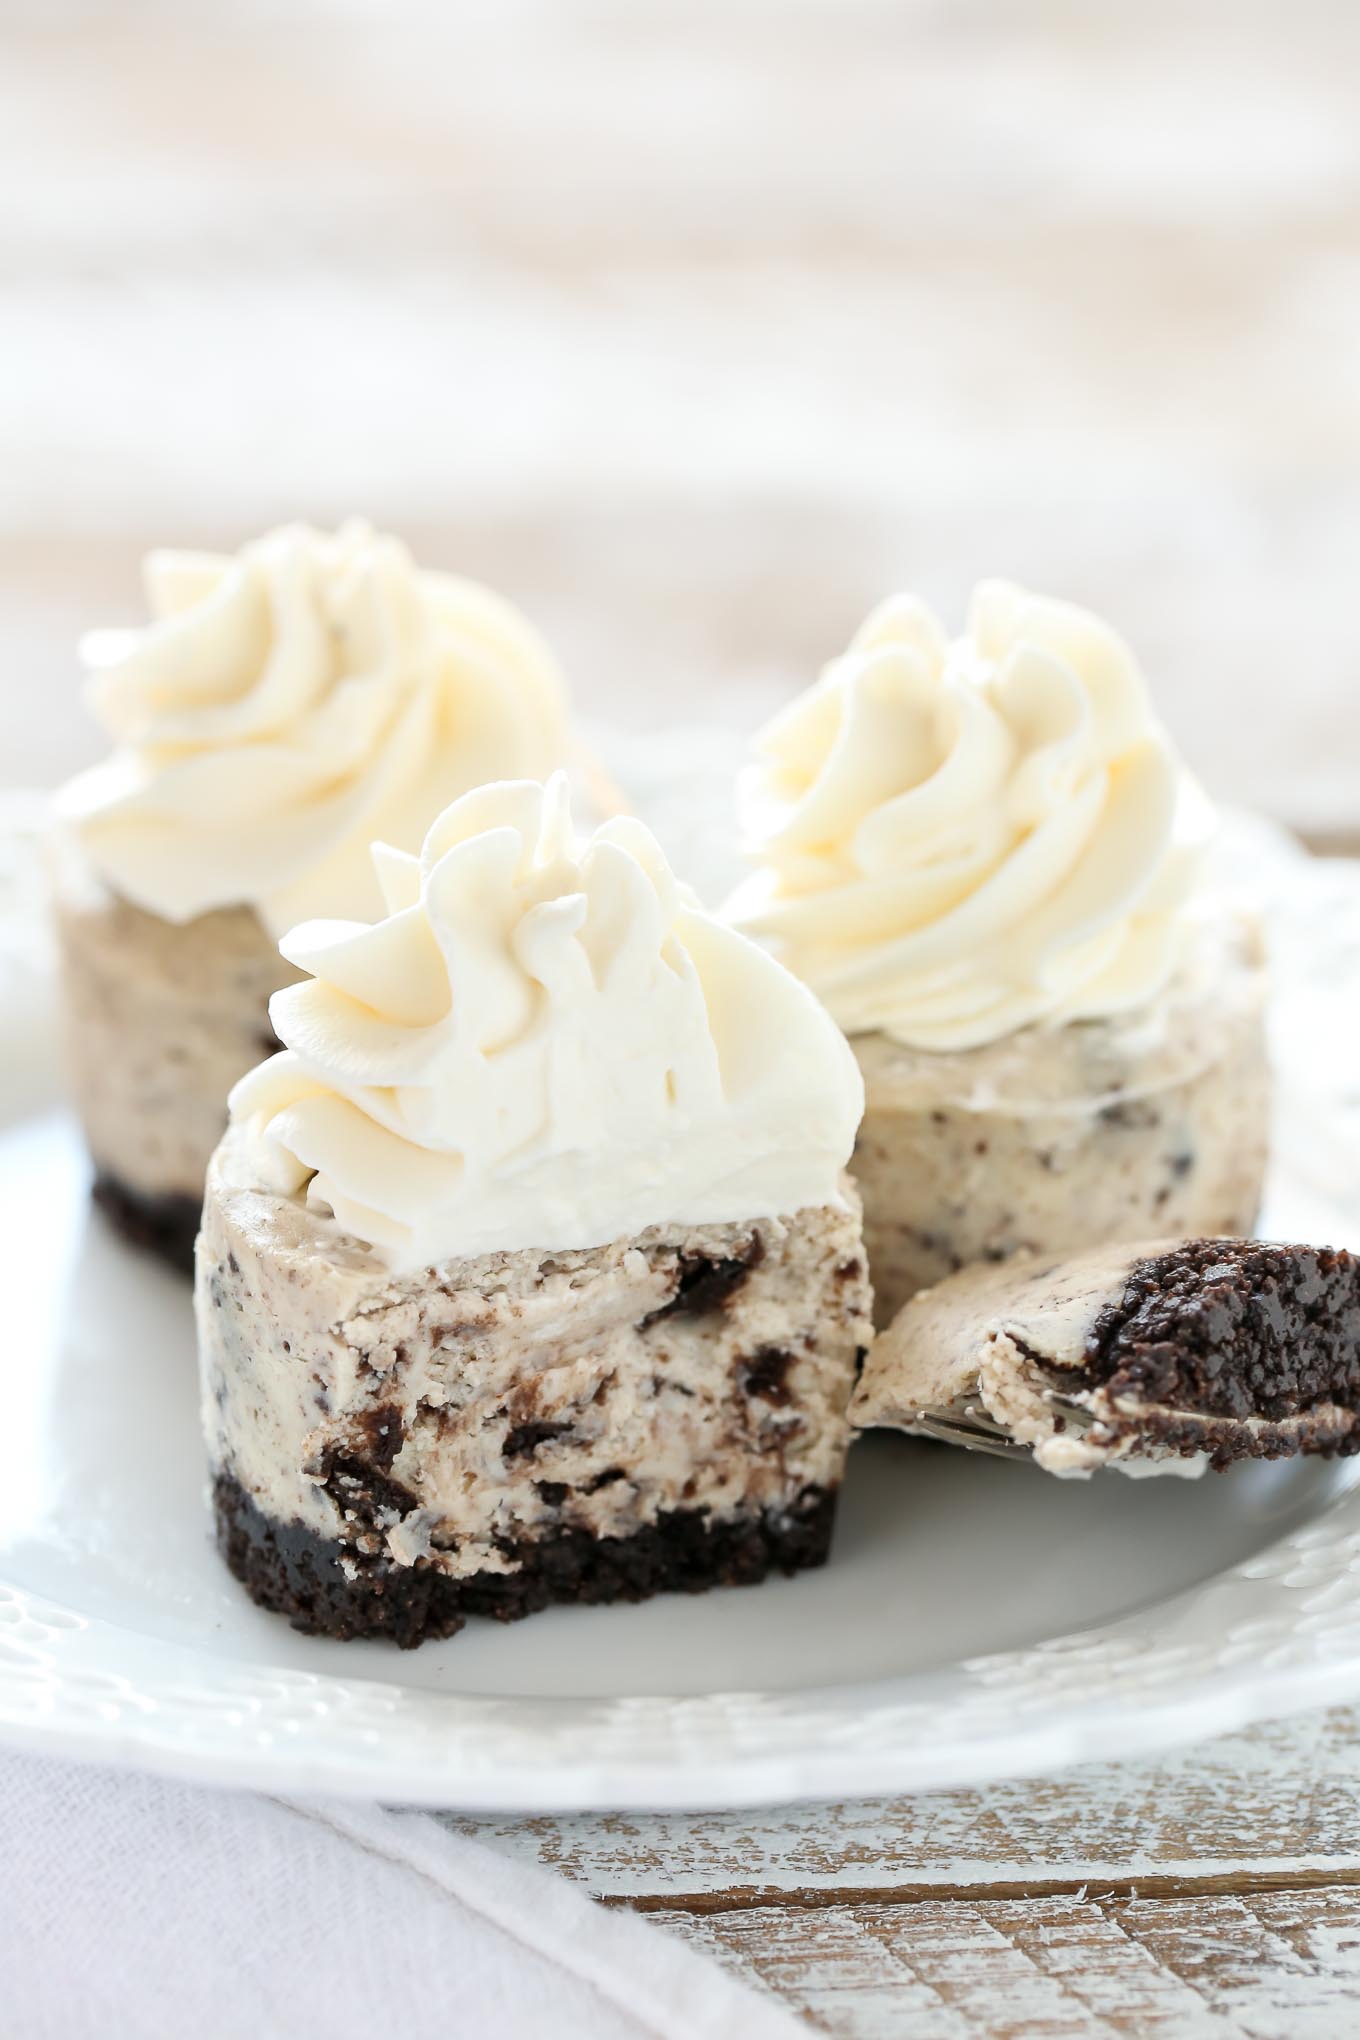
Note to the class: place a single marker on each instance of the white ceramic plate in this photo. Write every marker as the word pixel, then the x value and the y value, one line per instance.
pixel 977 1619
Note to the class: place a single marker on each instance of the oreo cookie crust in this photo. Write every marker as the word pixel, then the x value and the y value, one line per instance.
pixel 1173 1354
pixel 314 1582
pixel 166 1226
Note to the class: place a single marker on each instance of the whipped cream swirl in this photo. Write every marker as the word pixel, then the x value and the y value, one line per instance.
pixel 544 1044
pixel 956 840
pixel 292 704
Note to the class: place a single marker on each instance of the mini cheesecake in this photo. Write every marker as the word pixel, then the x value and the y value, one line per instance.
pixel 493 1434
pixel 986 858
pixel 1161 1357
pixel 1070 1136
pixel 529 1272
pixel 284 707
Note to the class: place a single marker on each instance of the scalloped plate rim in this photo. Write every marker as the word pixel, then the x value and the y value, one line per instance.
pixel 1274 1634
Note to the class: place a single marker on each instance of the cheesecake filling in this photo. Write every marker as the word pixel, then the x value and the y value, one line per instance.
pixel 1142 1125
pixel 160 1022
pixel 519 1395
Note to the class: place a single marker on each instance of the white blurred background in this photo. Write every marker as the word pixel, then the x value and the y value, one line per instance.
pixel 697 325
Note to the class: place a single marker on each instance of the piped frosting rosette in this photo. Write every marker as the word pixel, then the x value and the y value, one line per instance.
pixel 288 706
pixel 957 839
pixel 545 1044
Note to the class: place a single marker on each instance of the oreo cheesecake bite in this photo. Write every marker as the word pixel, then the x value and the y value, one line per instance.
pixel 1163 1357
pixel 529 1270
pixel 285 707
pixel 985 857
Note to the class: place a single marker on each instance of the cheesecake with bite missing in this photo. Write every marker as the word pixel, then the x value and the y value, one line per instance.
pixel 986 857
pixel 1167 1357
pixel 285 706
pixel 529 1270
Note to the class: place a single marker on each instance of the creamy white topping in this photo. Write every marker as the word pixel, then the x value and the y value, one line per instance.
pixel 289 706
pixel 544 1044
pixel 958 839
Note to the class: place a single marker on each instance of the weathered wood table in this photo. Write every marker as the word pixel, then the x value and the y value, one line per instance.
pixel 1209 1894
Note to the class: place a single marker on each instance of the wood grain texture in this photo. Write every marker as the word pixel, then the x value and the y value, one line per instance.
pixel 1211 1893
pixel 1281 1800
pixel 1272 1966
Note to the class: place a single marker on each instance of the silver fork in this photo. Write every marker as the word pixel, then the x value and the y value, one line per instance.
pixel 967 1425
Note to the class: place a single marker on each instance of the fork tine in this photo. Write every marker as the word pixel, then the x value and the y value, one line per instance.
pixel 973 1418
pixel 967 1424
pixel 949 1431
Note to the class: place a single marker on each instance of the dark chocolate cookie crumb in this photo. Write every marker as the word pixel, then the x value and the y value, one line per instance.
pixel 1234 1329
pixel 765 1375
pixel 288 1568
pixel 705 1285
pixel 523 1440
pixel 363 1492
pixel 383 1432
pixel 165 1226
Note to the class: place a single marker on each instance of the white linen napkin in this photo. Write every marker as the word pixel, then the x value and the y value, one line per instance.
pixel 136 1908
